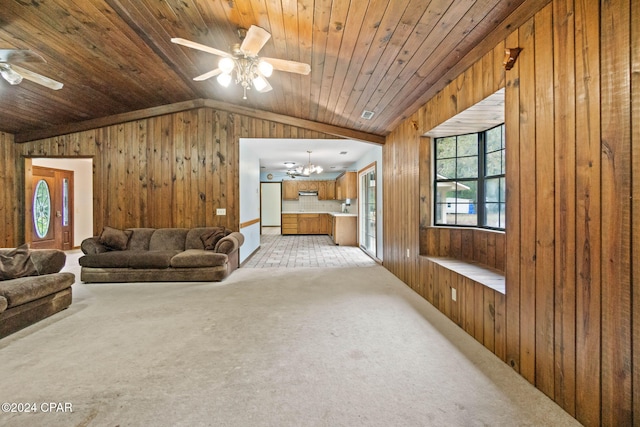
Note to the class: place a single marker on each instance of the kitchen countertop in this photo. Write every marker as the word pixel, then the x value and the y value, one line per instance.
pixel 318 212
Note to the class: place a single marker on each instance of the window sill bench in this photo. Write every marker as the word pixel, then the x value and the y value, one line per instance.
pixel 482 274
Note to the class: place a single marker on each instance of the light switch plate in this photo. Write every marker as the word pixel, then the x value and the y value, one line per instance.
pixel 221 211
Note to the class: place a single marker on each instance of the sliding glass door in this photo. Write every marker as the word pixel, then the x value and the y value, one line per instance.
pixel 367 197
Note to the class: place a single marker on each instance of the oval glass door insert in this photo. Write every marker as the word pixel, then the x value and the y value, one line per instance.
pixel 42 208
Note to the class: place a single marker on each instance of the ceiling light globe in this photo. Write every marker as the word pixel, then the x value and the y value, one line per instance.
pixel 259 83
pixel 319 169
pixel 226 64
pixel 224 79
pixel 265 68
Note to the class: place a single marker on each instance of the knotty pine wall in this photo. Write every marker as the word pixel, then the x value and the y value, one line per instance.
pixel 172 170
pixel 570 322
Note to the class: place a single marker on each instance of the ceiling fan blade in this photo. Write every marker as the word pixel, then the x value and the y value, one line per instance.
pixel 289 66
pixel 198 46
pixel 208 75
pixel 37 78
pixel 19 55
pixel 254 40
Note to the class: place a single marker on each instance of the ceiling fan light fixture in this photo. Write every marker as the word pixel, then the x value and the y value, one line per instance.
pixel 224 79
pixel 226 64
pixel 308 169
pixel 265 68
pixel 9 75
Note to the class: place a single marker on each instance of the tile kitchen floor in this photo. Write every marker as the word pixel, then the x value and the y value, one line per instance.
pixel 305 251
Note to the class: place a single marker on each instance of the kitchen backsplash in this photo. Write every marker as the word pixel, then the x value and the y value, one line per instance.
pixel 312 204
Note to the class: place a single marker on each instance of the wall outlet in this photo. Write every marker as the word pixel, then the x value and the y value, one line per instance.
pixel 221 211
pixel 454 294
pixel 408 253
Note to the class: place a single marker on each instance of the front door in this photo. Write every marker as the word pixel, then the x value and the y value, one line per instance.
pixel 51 207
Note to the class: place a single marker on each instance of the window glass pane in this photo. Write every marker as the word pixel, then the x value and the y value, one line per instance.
pixel 65 202
pixel 467 191
pixel 463 214
pixel 446 168
pixel 503 215
pixel 503 189
pixel 492 190
pixel 493 139
pixel 492 214
pixel 468 145
pixel 446 147
pixel 493 164
pixel 467 167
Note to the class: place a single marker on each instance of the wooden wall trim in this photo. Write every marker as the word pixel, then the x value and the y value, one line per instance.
pixel 146 113
pixel 293 121
pixel 249 223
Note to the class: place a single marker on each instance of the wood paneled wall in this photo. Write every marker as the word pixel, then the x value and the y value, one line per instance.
pixel 8 208
pixel 572 310
pixel 172 170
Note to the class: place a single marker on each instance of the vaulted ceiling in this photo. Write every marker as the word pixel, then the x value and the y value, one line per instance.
pixel 116 56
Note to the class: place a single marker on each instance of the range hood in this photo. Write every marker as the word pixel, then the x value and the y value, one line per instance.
pixel 308 193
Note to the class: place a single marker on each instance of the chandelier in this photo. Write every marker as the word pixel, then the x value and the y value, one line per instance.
pixel 305 170
pixel 249 71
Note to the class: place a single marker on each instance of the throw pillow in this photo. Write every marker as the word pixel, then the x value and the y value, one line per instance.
pixel 17 263
pixel 211 238
pixel 114 238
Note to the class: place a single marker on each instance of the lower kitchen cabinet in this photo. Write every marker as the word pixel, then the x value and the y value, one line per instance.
pixel 345 230
pixel 341 229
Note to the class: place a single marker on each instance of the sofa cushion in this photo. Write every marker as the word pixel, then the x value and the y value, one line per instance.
pixel 168 239
pixel 140 238
pixel 48 261
pixel 17 263
pixel 3 304
pixel 211 237
pixel 112 259
pixel 26 289
pixel 198 258
pixel 152 259
pixel 114 238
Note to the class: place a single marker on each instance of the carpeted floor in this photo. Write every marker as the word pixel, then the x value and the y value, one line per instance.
pixel 266 347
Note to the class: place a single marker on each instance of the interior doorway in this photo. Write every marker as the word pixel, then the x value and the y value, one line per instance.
pixel 50 207
pixel 270 207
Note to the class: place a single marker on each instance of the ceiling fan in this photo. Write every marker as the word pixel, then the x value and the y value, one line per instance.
pixel 14 73
pixel 249 68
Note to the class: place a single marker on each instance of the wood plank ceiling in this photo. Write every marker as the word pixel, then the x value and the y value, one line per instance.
pixel 115 56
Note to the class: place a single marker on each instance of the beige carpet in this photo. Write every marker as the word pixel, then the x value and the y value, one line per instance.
pixel 267 347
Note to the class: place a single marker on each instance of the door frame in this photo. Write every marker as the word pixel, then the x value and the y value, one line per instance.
pixel 361 214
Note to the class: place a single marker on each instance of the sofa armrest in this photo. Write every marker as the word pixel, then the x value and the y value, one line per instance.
pixel 91 245
pixel 229 244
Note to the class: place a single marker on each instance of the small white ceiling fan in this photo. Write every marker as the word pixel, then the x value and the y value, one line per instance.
pixel 14 73
pixel 249 68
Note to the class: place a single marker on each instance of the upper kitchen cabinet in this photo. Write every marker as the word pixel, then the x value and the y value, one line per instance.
pixel 326 190
pixel 289 190
pixel 347 186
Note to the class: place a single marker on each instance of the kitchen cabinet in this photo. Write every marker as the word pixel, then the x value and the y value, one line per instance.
pixel 304 223
pixel 326 190
pixel 289 224
pixel 307 185
pixel 347 186
pixel 309 224
pixel 289 190
pixel 345 230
